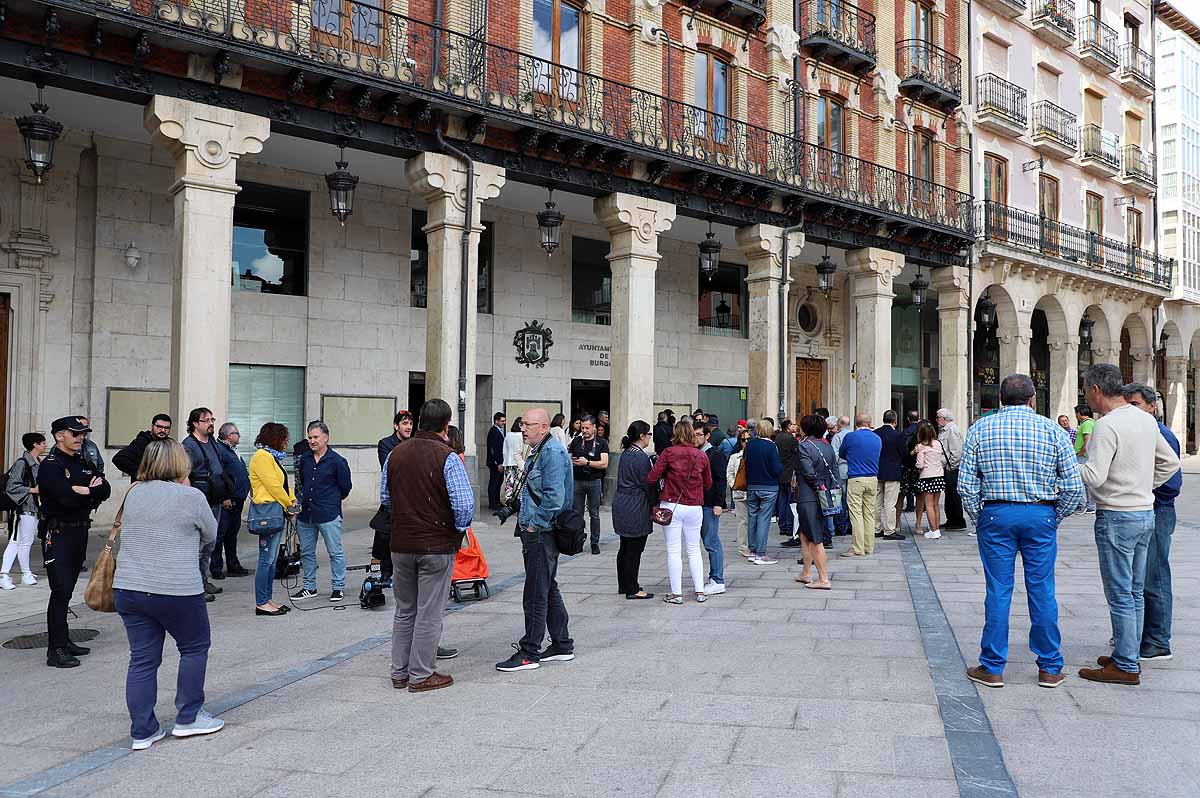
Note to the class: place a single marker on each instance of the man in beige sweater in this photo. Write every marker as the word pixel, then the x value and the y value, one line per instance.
pixel 1126 460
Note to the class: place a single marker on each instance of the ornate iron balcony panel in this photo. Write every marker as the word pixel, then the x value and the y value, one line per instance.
pixel 838 33
pixel 1097 44
pixel 1054 129
pixel 1002 106
pixel 1137 70
pixel 1054 21
pixel 1099 152
pixel 747 13
pixel 928 73
pixel 1137 166
pixel 1000 224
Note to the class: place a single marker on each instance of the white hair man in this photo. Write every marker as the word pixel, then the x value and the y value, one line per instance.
pixel 951 438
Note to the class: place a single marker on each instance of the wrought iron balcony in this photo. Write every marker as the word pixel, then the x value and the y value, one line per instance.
pixel 1097 44
pixel 1000 224
pixel 747 13
pixel 1099 151
pixel 838 33
pixel 928 73
pixel 424 65
pixel 1002 105
pixel 1055 128
pixel 1137 166
pixel 1054 21
pixel 1137 69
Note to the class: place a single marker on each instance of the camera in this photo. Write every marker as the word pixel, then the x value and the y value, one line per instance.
pixel 511 508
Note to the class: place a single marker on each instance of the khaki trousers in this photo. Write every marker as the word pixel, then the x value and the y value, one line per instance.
pixel 860 497
pixel 887 495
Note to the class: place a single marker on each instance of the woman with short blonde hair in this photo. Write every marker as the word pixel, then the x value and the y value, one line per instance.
pixel 157 589
pixel 763 428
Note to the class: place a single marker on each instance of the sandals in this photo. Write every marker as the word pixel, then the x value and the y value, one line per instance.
pixel 636 597
pixel 673 598
pixel 818 586
pixel 803 579
pixel 701 598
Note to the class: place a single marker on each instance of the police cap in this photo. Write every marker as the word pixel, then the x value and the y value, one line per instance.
pixel 72 423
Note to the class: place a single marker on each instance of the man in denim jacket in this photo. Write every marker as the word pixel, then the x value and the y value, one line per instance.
pixel 548 477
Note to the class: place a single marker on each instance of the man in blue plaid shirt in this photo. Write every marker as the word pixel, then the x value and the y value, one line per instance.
pixel 1017 480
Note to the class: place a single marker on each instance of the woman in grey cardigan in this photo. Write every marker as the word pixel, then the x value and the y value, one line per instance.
pixel 631 509
pixel 22 490
pixel 158 590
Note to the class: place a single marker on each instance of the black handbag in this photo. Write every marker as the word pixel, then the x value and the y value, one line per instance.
pixel 381 522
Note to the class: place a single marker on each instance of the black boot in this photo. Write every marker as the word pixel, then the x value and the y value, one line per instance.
pixel 59 658
pixel 76 650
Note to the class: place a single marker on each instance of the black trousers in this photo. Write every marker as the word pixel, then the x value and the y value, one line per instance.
pixel 954 508
pixel 65 551
pixel 495 479
pixel 225 548
pixel 543 604
pixel 629 562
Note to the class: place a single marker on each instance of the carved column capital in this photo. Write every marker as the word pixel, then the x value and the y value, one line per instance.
pixel 206 141
pixel 437 177
pixel 762 245
pixel 872 270
pixel 634 223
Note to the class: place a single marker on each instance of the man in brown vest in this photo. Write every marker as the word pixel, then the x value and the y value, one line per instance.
pixel 431 503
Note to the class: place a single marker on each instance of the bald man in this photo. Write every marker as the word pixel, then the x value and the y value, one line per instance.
pixel 548 489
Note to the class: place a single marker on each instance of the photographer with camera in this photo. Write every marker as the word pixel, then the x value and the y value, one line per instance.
pixel 547 490
pixel 208 476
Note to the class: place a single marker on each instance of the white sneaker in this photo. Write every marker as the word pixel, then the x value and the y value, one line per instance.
pixel 146 742
pixel 971 534
pixel 933 534
pixel 713 588
pixel 764 561
pixel 203 724
pixel 752 559
pixel 28 578
pixel 6 582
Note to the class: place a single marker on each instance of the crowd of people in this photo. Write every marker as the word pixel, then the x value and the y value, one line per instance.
pixel 1015 474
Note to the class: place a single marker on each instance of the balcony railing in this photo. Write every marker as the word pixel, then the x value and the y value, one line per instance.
pixel 917 59
pixel 468 73
pixel 845 25
pixel 1059 13
pixel 1099 38
pixel 1137 164
pixel 1056 122
pixel 1024 230
pixel 999 96
pixel 1137 63
pixel 1100 144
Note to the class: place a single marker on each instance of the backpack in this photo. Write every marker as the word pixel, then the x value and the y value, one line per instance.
pixel 6 503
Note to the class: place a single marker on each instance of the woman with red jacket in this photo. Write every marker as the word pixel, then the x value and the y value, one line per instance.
pixel 686 475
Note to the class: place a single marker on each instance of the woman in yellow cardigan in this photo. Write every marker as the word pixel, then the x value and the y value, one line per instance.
pixel 269 483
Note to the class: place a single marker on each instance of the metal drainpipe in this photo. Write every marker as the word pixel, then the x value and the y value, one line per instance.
pixel 468 222
pixel 971 249
pixel 438 17
pixel 783 318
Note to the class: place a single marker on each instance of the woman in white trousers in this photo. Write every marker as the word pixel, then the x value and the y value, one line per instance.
pixel 686 475
pixel 21 487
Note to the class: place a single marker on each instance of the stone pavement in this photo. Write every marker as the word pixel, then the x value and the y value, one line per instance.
pixel 765 689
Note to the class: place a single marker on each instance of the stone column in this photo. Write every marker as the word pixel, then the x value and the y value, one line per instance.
pixel 634 225
pixel 206 143
pixel 762 244
pixel 442 181
pixel 953 307
pixel 1175 395
pixel 1014 345
pixel 871 273
pixel 1064 376
pixel 1143 364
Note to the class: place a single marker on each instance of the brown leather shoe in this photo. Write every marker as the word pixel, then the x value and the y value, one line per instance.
pixel 434 682
pixel 1110 674
pixel 400 684
pixel 1051 680
pixel 981 676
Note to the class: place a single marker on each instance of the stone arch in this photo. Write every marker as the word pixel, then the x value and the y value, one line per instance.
pixel 993 348
pixel 1105 338
pixel 1136 354
pixel 1177 346
pixel 1061 378
pixel 1174 385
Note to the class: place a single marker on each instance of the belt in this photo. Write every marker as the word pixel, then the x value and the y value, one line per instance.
pixel 69 524
pixel 1044 503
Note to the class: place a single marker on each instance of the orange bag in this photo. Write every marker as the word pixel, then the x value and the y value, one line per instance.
pixel 469 563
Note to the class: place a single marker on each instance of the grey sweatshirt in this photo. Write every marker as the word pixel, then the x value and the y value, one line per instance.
pixel 162 530
pixel 1127 459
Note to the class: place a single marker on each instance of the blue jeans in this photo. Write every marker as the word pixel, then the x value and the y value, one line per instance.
pixel 1156 631
pixel 1004 528
pixel 542 602
pixel 225 548
pixel 148 618
pixel 783 511
pixel 1122 541
pixel 264 574
pixel 760 504
pixel 331 533
pixel 710 534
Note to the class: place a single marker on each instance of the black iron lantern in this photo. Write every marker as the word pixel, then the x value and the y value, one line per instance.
pixel 724 315
pixel 550 224
pixel 39 133
pixel 710 254
pixel 987 311
pixel 825 271
pixel 341 188
pixel 918 287
pixel 1085 331
pixel 1162 341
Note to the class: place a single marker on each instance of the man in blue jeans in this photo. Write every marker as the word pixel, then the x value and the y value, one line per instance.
pixel 714 505
pixel 1018 479
pixel 322 483
pixel 1156 629
pixel 1127 459
pixel 548 490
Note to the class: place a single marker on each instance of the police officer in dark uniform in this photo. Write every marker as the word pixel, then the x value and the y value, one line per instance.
pixel 71 488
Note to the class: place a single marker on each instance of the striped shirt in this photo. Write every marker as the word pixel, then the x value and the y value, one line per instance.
pixel 1015 455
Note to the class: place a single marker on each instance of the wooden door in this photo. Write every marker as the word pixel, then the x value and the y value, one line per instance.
pixel 810 385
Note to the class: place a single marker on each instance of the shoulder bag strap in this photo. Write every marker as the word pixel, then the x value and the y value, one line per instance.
pixel 821 460
pixel 116 526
